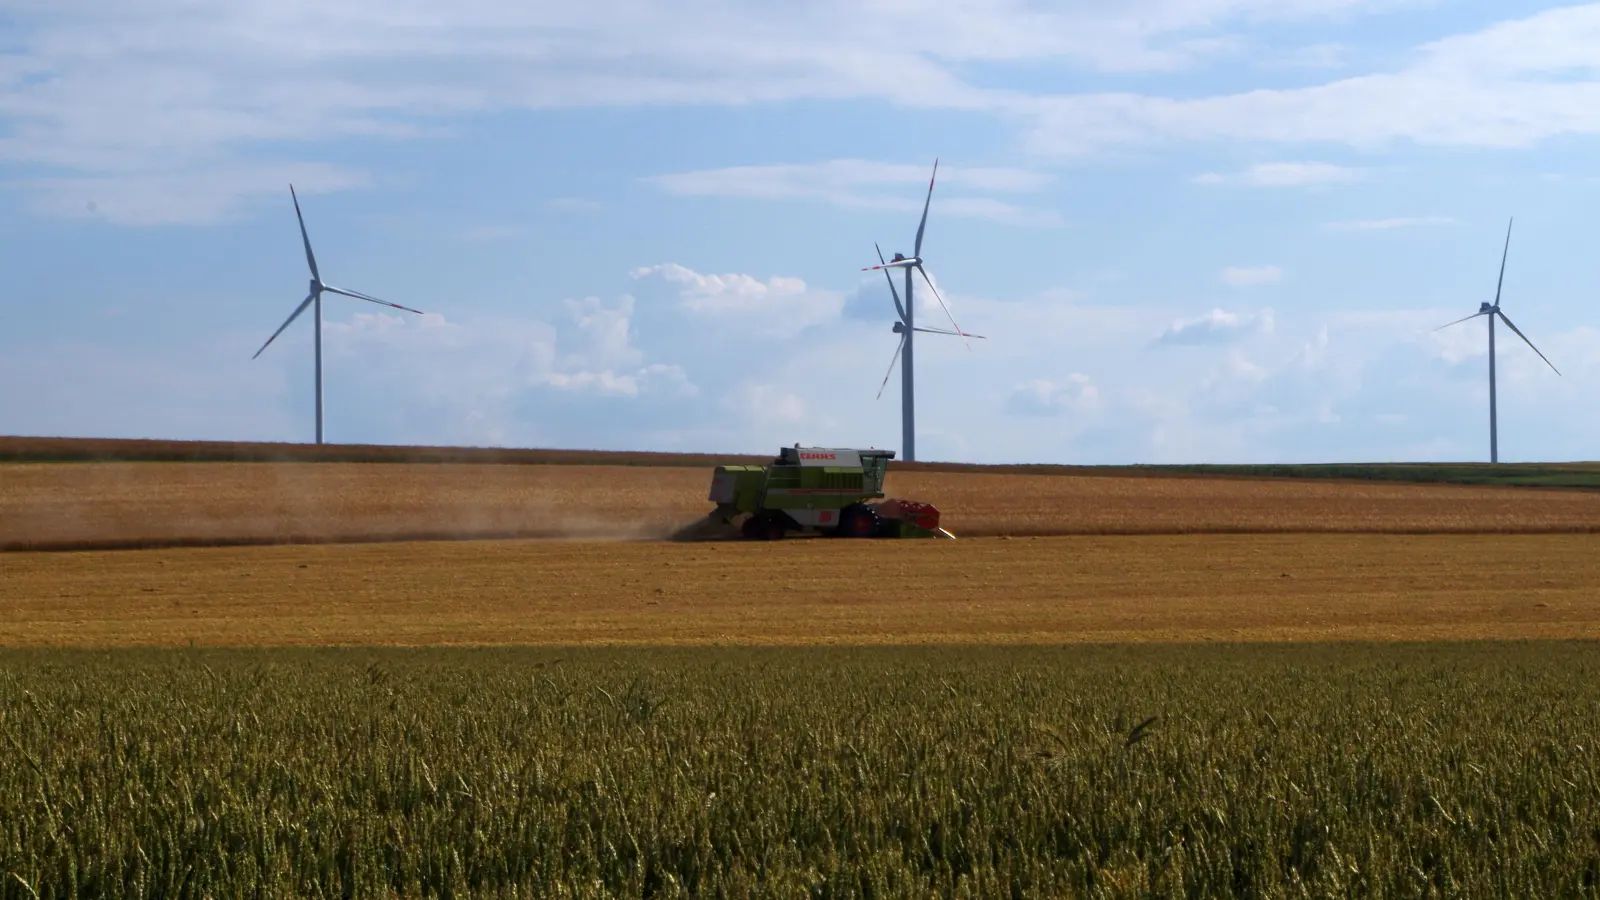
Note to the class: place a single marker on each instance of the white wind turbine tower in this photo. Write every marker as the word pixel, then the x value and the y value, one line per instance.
pixel 906 326
pixel 1492 310
pixel 314 298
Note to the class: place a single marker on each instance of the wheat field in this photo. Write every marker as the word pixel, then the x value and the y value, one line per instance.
pixel 151 504
pixel 1112 772
pixel 1157 588
pixel 348 713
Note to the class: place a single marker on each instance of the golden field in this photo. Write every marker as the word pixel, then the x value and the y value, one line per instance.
pixel 1043 558
pixel 129 504
pixel 1278 587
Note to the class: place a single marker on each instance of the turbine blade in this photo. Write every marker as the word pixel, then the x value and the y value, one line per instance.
pixel 1460 320
pixel 936 296
pixel 951 333
pixel 360 296
pixel 311 258
pixel 902 264
pixel 922 226
pixel 1503 254
pixel 892 360
pixel 292 316
pixel 1525 340
pixel 889 278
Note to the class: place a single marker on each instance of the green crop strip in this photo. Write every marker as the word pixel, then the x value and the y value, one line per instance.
pixel 1043 772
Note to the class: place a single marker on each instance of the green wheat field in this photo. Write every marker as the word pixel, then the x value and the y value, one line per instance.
pixel 1319 771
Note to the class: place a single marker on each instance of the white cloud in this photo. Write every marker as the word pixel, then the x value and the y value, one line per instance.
pixel 1043 397
pixel 589 350
pixel 152 92
pixel 1250 276
pixel 860 184
pixel 1285 174
pixel 780 305
pixel 775 182
pixel 766 402
pixel 1318 385
pixel 652 379
pixel 1217 327
pixel 1387 224
pixel 600 334
pixel 1313 56
pixel 195 196
pixel 1510 85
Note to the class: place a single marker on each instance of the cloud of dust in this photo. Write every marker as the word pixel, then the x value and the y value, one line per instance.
pixel 167 504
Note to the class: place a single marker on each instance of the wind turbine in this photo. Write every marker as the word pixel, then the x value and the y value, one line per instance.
pixel 315 298
pixel 1491 310
pixel 906 326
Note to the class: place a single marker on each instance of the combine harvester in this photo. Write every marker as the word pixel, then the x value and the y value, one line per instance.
pixel 814 490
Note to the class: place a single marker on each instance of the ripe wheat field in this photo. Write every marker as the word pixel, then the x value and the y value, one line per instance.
pixel 746 719
pixel 1464 771
pixel 1153 588
pixel 86 505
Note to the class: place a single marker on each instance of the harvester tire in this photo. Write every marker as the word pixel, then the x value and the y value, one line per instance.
pixel 763 527
pixel 859 521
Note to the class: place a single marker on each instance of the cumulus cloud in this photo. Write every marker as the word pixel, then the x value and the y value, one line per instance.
pixel 781 305
pixel 651 379
pixel 587 350
pixel 1250 276
pixel 766 403
pixel 1041 397
pixel 1285 174
pixel 1216 327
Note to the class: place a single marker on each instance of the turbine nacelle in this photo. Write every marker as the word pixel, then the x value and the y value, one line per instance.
pixel 316 289
pixel 1492 310
pixel 899 262
pixel 900 328
pixel 903 326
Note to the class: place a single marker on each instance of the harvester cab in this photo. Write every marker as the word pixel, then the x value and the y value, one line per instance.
pixel 836 492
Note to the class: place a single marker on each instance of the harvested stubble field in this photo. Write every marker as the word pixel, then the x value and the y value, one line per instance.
pixel 133 504
pixel 1261 588
pixel 1467 771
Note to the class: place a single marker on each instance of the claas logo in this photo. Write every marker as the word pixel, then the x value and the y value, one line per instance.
pixel 818 456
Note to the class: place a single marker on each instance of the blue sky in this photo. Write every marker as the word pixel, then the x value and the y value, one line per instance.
pixel 1192 230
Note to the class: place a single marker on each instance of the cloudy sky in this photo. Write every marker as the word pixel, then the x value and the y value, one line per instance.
pixel 1191 230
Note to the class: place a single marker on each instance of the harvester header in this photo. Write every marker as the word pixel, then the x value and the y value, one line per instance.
pixel 835 492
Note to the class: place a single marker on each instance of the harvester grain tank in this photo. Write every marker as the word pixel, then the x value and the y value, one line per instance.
pixel 819 490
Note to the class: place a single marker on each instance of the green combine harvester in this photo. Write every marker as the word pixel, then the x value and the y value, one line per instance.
pixel 817 490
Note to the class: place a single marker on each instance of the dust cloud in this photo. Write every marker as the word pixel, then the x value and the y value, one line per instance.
pixel 87 505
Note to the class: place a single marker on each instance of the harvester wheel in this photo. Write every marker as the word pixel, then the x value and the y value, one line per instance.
pixel 763 527
pixel 858 521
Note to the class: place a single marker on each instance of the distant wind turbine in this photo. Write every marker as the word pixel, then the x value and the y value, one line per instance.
pixel 314 298
pixel 905 327
pixel 1491 310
